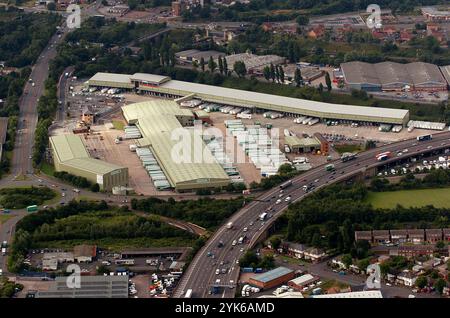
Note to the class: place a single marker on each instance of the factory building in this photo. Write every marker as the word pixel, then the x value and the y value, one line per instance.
pixel 446 72
pixel 254 63
pixel 390 76
pixel 302 145
pixel 272 278
pixel 70 155
pixel 266 102
pixel 194 166
pixel 190 56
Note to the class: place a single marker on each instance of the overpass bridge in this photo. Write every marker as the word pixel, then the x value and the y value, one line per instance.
pixel 200 275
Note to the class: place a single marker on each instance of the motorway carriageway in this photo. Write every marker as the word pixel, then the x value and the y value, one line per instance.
pixel 200 275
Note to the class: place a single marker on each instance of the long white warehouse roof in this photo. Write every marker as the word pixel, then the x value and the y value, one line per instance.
pixel 239 97
pixel 289 102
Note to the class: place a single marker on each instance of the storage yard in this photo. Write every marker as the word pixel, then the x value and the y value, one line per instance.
pixel 254 133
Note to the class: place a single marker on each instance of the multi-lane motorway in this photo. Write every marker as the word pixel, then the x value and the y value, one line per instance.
pixel 201 274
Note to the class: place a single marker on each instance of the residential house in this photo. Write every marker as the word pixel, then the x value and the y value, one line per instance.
pixel 405 36
pixel 406 278
pixel 433 235
pixel 314 254
pixel 399 236
pixel 380 236
pixel 416 236
pixel 338 262
pixel 431 263
pixel 411 251
pixel 446 233
pixel 317 32
pixel 294 249
pixel 84 253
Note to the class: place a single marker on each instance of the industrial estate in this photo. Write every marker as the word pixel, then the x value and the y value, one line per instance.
pixel 195 149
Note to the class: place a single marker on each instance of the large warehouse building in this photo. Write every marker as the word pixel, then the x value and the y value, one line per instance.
pixel 260 101
pixel 195 168
pixel 272 278
pixel 390 76
pixel 70 155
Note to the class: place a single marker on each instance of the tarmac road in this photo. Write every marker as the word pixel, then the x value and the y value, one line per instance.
pixel 201 273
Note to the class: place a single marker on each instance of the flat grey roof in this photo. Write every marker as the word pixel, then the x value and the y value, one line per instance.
pixel 298 104
pixel 391 73
pixel 111 77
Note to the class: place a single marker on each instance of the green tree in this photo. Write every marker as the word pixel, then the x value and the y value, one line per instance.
pixel 275 242
pixel 272 72
pixel 95 187
pixel 239 68
pixel 439 284
pixel 286 169
pixel 440 244
pixel 421 282
pixel 320 88
pixel 363 264
pixel 220 65
pixel 202 64
pixel 328 81
pixel 302 20
pixel 347 260
pixel 225 66
pixel 281 72
pixel 266 72
pixel 211 64
pixel 298 77
pixel 51 6
pixel 249 259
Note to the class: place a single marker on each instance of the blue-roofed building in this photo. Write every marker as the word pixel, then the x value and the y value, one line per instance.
pixel 272 278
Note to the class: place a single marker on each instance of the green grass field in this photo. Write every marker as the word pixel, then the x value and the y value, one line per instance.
pixel 440 198
pixel 347 148
pixel 118 124
pixel 4 218
pixel 47 169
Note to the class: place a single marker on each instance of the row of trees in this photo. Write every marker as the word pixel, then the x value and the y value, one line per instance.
pixel 435 178
pixel 23 36
pixel 206 212
pixel 19 198
pixel 77 181
pixel 106 224
pixel 329 218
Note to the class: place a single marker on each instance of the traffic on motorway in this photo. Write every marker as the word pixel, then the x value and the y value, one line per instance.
pixel 217 263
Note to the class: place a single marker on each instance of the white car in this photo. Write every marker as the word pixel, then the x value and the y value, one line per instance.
pixel 245 229
pixel 287 199
pixel 278 201
pixel 234 243
pixel 217 271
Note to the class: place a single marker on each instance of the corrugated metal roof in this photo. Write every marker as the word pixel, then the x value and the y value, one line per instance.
pixel 69 150
pixel 288 103
pixel 151 78
pixel 391 73
pixel 446 72
pixel 160 127
pixel 111 77
pixel 68 147
pixel 273 274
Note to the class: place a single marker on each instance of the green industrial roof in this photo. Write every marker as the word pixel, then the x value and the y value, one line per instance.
pixel 159 126
pixel 67 147
pixel 92 165
pixel 69 150
pixel 301 142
